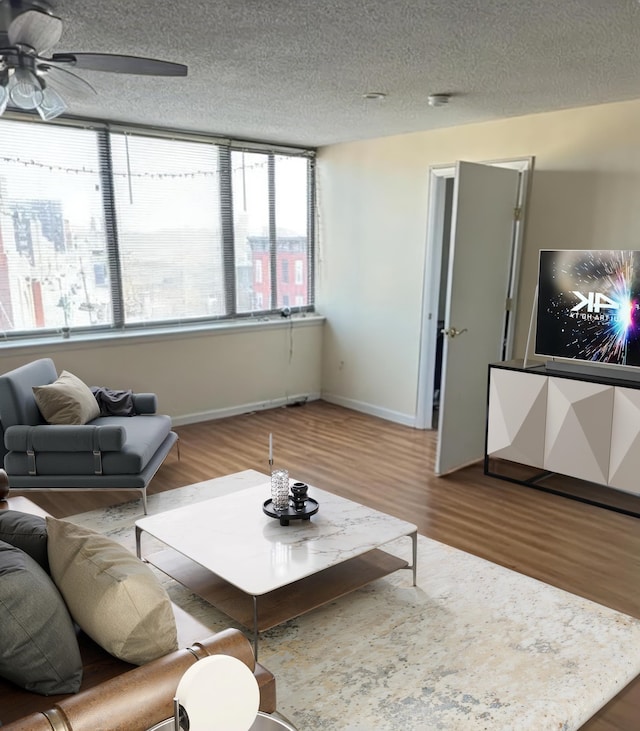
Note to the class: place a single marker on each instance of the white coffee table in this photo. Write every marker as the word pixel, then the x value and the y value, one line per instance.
pixel 261 573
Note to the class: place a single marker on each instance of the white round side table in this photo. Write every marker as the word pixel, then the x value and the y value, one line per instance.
pixel 263 722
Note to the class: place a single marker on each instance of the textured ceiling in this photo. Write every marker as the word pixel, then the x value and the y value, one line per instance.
pixel 294 71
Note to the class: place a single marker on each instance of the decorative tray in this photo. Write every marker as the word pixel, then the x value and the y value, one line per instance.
pixel 310 508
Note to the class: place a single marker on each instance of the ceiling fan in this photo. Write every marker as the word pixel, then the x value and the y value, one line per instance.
pixel 30 79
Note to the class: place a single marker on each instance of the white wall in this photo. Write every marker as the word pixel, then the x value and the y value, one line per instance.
pixel 198 376
pixel 585 193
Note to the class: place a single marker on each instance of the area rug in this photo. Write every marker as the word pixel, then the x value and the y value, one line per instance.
pixel 472 647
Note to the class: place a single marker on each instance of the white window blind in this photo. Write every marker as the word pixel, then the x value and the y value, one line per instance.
pixel 271 214
pixel 250 176
pixel 132 229
pixel 54 268
pixel 167 206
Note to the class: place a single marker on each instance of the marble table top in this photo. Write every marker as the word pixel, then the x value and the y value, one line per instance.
pixel 232 536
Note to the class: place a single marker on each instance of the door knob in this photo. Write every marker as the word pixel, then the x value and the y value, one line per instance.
pixel 451 332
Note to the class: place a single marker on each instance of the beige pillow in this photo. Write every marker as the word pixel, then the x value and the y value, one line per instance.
pixel 67 400
pixel 111 594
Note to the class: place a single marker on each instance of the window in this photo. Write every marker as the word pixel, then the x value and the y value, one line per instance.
pixel 272 217
pixel 299 265
pixel 125 229
pixel 292 222
pixel 167 201
pixel 53 241
pixel 250 176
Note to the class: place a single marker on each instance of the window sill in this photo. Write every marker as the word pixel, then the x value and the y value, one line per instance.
pixel 105 339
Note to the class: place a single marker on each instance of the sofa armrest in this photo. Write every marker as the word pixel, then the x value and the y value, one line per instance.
pixel 32 722
pixel 139 698
pixel 145 403
pixel 64 438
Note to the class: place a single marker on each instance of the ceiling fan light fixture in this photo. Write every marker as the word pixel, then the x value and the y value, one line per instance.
pixel 52 104
pixel 28 31
pixel 25 90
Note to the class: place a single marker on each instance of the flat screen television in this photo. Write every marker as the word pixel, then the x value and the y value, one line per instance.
pixel 588 306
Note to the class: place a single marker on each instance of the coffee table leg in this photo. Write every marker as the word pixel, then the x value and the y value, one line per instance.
pixel 414 541
pixel 138 533
pixel 255 626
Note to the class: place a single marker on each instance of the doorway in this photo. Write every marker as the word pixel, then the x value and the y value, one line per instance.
pixel 458 215
pixel 445 243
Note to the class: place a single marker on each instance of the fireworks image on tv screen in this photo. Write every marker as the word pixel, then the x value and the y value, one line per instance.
pixel 589 305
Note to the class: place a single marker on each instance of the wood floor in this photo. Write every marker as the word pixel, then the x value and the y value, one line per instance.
pixel 584 549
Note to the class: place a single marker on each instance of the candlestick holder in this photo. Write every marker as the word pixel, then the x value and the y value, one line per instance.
pixel 299 492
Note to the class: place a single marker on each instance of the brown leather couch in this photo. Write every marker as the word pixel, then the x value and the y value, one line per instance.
pixel 117 696
pixel 139 698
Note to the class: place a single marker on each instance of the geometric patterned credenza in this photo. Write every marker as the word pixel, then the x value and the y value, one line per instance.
pixel 517 416
pixel 584 427
pixel 624 461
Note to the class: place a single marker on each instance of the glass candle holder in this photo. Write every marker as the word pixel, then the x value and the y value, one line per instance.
pixel 280 489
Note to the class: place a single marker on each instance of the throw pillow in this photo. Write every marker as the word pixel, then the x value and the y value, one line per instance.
pixel 114 597
pixel 67 400
pixel 38 645
pixel 26 532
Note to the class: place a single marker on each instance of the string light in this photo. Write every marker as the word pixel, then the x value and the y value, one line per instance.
pixel 90 171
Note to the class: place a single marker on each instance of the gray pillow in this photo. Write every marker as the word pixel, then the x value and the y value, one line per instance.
pixel 26 532
pixel 38 645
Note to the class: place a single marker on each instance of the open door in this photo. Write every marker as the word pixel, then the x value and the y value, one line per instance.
pixel 482 230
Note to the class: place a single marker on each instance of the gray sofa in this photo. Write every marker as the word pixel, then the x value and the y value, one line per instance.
pixel 110 452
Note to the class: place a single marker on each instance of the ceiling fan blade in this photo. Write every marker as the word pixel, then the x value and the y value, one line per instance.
pixel 64 79
pixel 35 28
pixel 121 64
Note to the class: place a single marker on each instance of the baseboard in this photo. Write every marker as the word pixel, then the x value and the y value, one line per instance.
pixel 243 409
pixel 365 408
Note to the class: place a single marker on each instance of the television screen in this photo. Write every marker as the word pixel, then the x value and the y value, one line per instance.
pixel 588 306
